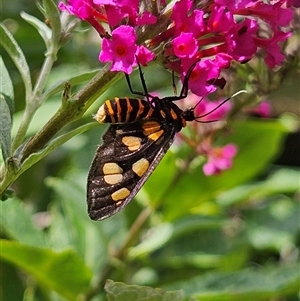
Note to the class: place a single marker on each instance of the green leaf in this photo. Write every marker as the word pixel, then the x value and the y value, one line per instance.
pixel 17 55
pixel 63 272
pixel 196 242
pixel 17 223
pixel 5 127
pixel 71 194
pixel 55 143
pixel 280 181
pixel 246 285
pixel 167 233
pixel 44 31
pixel 73 80
pixel 6 110
pixel 72 225
pixel 6 86
pixel 12 286
pixel 158 237
pixel 38 121
pixel 274 225
pixel 259 141
pixel 117 291
pixel 52 13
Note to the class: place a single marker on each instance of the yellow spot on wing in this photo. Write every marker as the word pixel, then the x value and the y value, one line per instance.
pixel 150 127
pixel 133 143
pixel 120 194
pixel 112 168
pixel 140 167
pixel 155 136
pixel 113 179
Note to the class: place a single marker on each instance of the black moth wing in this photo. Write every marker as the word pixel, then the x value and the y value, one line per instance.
pixel 114 152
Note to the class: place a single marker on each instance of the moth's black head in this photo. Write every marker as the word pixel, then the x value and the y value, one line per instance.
pixel 189 114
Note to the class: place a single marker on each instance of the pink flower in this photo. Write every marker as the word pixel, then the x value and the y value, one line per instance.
pixel 203 72
pixel 293 3
pixel 185 45
pixel 115 14
pixel 233 5
pixel 144 55
pixel 274 56
pixel 104 2
pixel 223 60
pixel 240 40
pixel 121 3
pixel 221 20
pixel 120 49
pixel 219 159
pixel 81 8
pixel 86 10
pixel 186 20
pixel 146 18
pixel 119 12
pixel 263 109
pixel 273 14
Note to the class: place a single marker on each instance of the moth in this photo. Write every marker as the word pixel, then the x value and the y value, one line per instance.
pixel 140 133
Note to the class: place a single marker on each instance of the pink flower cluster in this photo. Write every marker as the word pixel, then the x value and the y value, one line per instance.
pixel 218 33
pixel 120 45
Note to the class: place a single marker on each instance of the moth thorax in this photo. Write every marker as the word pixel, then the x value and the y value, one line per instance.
pixel 101 114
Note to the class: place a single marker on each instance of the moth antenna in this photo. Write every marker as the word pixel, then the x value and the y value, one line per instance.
pixel 217 107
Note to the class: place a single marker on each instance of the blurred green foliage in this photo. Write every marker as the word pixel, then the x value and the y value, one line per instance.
pixel 234 236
